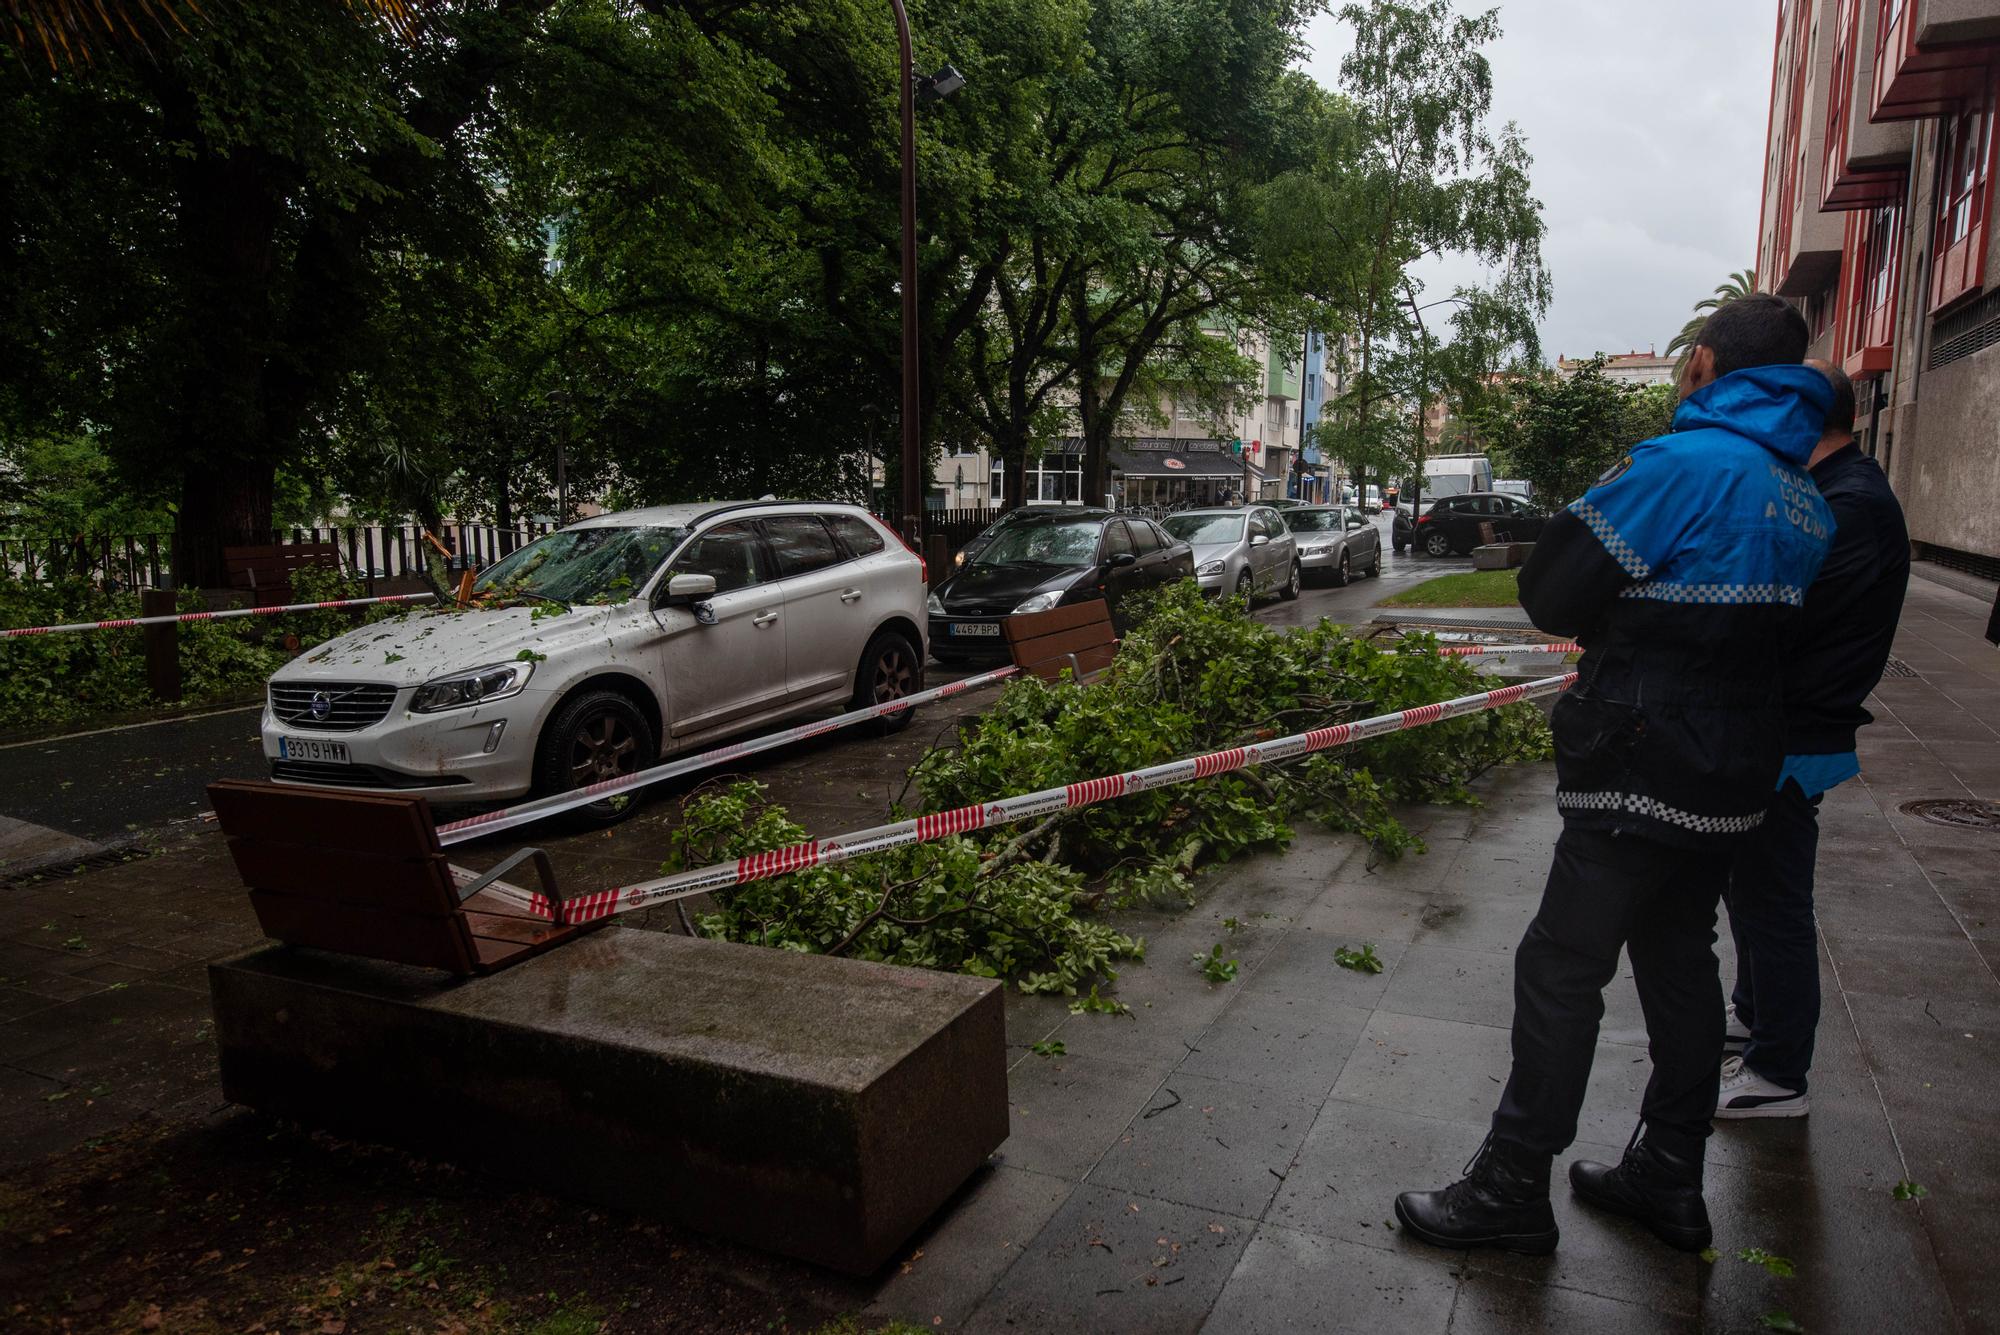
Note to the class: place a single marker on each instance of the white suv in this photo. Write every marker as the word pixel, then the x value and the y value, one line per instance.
pixel 604 646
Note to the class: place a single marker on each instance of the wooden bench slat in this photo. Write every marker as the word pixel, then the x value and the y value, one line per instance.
pixel 368 823
pixel 405 885
pixel 362 874
pixel 1094 612
pixel 349 929
pixel 1062 642
pixel 1088 662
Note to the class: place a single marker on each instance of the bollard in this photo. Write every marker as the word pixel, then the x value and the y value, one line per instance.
pixel 163 652
pixel 937 555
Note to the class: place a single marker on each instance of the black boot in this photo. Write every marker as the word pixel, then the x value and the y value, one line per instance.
pixel 1503 1201
pixel 1659 1187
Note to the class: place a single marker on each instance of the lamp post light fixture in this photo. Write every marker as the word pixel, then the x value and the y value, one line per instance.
pixel 942 84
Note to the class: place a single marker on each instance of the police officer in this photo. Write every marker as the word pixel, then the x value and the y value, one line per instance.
pixel 1848 627
pixel 1681 572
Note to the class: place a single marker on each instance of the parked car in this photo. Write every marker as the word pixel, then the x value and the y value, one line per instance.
pixel 598 649
pixel 1015 516
pixel 1457 474
pixel 1334 541
pixel 1245 552
pixel 1047 559
pixel 1451 523
pixel 1371 499
pixel 1287 503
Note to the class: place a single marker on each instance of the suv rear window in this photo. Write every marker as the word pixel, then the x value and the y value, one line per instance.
pixel 801 544
pixel 860 537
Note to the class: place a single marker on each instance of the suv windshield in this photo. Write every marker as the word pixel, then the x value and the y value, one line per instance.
pixel 1206 530
pixel 579 565
pixel 1313 521
pixel 1063 542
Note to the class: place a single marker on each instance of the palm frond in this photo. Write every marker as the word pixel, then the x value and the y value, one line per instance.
pixel 1739 284
pixel 75 32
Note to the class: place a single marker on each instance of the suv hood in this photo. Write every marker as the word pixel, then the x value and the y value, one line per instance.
pixel 418 646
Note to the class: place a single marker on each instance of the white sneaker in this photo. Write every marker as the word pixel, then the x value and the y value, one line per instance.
pixel 1735 1033
pixel 1747 1094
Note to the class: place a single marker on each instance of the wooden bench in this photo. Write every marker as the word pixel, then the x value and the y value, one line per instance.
pixel 1078 639
pixel 363 874
pixel 267 571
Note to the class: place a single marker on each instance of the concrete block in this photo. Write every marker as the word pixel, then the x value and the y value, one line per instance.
pixel 1501 555
pixel 821 1108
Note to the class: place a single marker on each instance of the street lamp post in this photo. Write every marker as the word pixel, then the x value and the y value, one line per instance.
pixel 913 441
pixel 946 81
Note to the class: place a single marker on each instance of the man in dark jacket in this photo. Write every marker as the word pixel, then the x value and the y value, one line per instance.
pixel 1846 629
pixel 1682 573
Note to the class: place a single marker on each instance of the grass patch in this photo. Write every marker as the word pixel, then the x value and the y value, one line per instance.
pixel 1476 588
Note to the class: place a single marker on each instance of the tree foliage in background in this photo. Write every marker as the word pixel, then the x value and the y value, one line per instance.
pixel 1562 432
pixel 304 259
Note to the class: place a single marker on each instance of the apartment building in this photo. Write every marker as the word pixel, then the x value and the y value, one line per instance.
pixel 1174 452
pixel 1877 221
pixel 1626 368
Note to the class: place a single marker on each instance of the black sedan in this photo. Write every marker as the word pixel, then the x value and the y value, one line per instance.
pixel 997 527
pixel 1046 559
pixel 1451 524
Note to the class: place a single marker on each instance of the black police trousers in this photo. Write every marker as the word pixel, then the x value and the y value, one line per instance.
pixel 1657 901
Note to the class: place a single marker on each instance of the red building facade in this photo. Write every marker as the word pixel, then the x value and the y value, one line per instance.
pixel 1878 221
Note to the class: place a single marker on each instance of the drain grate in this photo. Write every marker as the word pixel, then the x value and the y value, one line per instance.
pixel 1965 813
pixel 1896 667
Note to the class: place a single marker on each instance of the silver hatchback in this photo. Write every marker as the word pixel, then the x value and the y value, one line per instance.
pixel 1247 552
pixel 1335 542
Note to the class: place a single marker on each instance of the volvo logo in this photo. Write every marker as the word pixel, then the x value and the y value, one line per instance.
pixel 321 706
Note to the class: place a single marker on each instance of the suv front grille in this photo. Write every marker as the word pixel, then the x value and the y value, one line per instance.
pixel 357 776
pixel 348 707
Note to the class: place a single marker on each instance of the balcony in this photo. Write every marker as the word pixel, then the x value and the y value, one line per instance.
pixel 1930 54
pixel 1867 162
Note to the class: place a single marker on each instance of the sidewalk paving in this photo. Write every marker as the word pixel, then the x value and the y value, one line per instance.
pixel 1226 1157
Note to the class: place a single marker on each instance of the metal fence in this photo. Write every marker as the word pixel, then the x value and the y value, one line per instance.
pixel 117 562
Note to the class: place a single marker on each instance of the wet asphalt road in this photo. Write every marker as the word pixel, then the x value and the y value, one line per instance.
pixel 108 785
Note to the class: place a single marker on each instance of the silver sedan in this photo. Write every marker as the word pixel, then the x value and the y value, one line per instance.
pixel 1247 552
pixel 1334 542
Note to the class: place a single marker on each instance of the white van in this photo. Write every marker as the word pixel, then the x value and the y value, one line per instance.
pixel 1456 474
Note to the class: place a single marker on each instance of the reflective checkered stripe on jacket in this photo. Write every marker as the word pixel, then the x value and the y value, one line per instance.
pixel 1638 804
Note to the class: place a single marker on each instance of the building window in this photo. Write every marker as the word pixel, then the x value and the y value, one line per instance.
pixel 1870 272
pixel 1965 174
pixel 1053 479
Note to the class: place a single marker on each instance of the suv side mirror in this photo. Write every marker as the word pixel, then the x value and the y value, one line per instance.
pixel 686 590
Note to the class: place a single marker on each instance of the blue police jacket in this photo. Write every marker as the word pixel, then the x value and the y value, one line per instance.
pixel 1682 573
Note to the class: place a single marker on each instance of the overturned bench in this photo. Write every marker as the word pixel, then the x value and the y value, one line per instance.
pixel 821 1108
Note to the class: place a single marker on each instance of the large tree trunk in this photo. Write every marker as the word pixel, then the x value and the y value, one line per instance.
pixel 222 505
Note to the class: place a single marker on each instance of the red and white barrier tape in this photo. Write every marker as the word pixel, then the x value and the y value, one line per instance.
pixel 1006 810
pixel 472 827
pixel 123 622
pixel 1471 650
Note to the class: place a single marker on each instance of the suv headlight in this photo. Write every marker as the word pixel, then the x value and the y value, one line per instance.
pixel 1041 602
pixel 472 688
pixel 935 604
pixel 1210 568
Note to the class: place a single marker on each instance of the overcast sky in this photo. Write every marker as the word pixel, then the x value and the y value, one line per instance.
pixel 1646 122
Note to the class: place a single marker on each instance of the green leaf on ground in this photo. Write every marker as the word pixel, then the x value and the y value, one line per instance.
pixel 1710 1255
pixel 1777 1266
pixel 1361 961
pixel 1050 1047
pixel 1907 1190
pixel 1782 1321
pixel 1093 1004
pixel 1213 967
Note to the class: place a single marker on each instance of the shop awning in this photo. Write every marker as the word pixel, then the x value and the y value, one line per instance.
pixel 1176 463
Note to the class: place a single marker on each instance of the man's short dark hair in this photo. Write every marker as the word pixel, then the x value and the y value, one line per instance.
pixel 1757 330
pixel 1840 417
